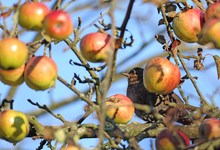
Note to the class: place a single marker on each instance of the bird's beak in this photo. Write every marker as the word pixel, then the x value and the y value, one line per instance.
pixel 125 74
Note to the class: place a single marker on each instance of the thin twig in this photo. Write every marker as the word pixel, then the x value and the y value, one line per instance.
pixel 4 29
pixel 85 116
pixel 199 4
pixel 203 101
pixel 58 116
pixel 87 66
pixel 169 29
pixel 126 19
pixel 5 102
pixel 41 146
pixel 80 95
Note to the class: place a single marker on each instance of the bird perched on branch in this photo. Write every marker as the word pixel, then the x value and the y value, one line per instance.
pixel 171 106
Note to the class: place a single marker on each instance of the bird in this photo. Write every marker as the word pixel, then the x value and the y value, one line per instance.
pixel 158 103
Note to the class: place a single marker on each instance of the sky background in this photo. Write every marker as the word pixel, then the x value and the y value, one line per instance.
pixel 143 25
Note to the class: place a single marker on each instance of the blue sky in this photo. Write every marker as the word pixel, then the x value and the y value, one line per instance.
pixel 143 26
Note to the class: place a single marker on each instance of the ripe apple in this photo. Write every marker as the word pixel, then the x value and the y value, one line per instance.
pixel 13 53
pixel 40 73
pixel 213 11
pixel 211 32
pixel 161 76
pixel 97 47
pixel 13 77
pixel 58 24
pixel 171 140
pixel 210 128
pixel 188 24
pixel 14 126
pixel 31 15
pixel 120 108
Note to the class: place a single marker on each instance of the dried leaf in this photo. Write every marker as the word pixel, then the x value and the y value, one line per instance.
pixel 160 39
pixel 198 64
pixel 170 7
pixel 118 43
pixel 158 10
pixel 6 14
pixel 217 62
pixel 161 21
pixel 173 46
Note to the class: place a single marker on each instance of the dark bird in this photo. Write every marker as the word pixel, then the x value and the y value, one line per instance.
pixel 171 106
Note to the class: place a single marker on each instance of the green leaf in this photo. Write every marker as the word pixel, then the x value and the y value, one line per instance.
pixel 217 62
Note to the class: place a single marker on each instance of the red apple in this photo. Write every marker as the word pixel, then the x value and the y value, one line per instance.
pixel 213 11
pixel 211 32
pixel 171 140
pixel 14 126
pixel 13 53
pixel 187 25
pixel 31 15
pixel 40 73
pixel 58 24
pixel 210 128
pixel 120 108
pixel 97 47
pixel 13 77
pixel 161 76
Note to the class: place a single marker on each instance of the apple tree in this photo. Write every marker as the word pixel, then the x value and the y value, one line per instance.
pixel 110 74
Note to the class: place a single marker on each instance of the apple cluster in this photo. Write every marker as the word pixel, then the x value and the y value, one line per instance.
pixel 160 75
pixel 194 25
pixel 56 24
pixel 40 72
